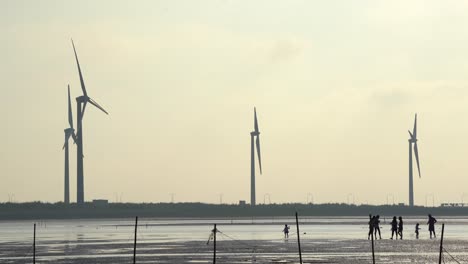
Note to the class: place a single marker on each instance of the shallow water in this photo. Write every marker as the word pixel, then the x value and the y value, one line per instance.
pixel 259 240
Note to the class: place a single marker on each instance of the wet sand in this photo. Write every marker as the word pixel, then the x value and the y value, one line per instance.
pixel 238 251
pixel 323 240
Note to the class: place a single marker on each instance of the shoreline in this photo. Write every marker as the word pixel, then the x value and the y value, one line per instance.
pixel 59 211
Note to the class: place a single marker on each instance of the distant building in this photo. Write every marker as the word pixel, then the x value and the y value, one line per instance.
pixel 454 205
pixel 401 204
pixel 242 202
pixel 100 202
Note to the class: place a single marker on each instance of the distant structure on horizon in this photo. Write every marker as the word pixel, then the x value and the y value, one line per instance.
pixel 81 106
pixel 413 140
pixel 253 134
pixel 69 132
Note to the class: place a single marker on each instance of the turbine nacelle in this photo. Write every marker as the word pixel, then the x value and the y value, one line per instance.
pixel 85 100
pixel 82 99
pixel 412 139
pixel 69 130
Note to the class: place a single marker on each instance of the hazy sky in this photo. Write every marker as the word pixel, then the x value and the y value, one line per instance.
pixel 336 85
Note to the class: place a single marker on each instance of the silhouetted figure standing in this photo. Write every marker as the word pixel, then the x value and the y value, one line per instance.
pixel 371 226
pixel 286 231
pixel 431 224
pixel 416 230
pixel 377 226
pixel 400 227
pixel 394 224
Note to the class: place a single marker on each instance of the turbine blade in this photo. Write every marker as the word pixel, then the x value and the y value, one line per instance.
pixel 411 135
pixel 74 137
pixel 83 110
pixel 258 153
pixel 79 71
pixel 255 120
pixel 414 129
pixel 70 114
pixel 416 155
pixel 97 105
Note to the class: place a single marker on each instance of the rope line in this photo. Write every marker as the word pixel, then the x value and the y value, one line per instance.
pixel 454 259
pixel 238 241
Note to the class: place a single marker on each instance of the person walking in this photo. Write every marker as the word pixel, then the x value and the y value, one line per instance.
pixel 416 230
pixel 400 227
pixel 286 231
pixel 394 225
pixel 371 226
pixel 377 227
pixel 431 224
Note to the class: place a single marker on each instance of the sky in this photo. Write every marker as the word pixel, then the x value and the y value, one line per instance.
pixel 336 85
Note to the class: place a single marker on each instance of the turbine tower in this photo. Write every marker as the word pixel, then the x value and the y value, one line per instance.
pixel 69 132
pixel 254 134
pixel 413 140
pixel 81 101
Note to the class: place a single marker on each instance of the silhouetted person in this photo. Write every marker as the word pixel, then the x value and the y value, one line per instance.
pixel 377 226
pixel 371 226
pixel 400 227
pixel 286 231
pixel 416 230
pixel 431 224
pixel 394 225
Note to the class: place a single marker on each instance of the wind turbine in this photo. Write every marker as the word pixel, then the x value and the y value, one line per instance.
pixel 413 140
pixel 254 134
pixel 69 132
pixel 81 100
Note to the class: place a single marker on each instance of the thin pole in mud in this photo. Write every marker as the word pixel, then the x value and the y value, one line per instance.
pixel 34 244
pixel 298 239
pixel 214 244
pixel 373 254
pixel 135 241
pixel 441 244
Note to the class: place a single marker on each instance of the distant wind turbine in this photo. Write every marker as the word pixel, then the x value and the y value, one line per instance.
pixel 69 132
pixel 81 100
pixel 253 134
pixel 413 140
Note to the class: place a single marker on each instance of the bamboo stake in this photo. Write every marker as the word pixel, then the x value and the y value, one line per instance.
pixel 298 239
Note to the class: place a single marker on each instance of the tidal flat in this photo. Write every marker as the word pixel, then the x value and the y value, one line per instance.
pixel 239 240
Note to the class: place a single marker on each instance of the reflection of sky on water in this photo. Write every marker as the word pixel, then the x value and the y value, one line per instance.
pixel 160 230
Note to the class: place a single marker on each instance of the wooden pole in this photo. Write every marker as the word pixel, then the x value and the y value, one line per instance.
pixel 372 241
pixel 214 244
pixel 135 242
pixel 441 244
pixel 298 239
pixel 34 245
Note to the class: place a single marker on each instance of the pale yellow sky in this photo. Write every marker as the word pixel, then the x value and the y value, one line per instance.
pixel 336 85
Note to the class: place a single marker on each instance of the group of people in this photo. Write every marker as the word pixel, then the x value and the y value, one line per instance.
pixel 397 227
